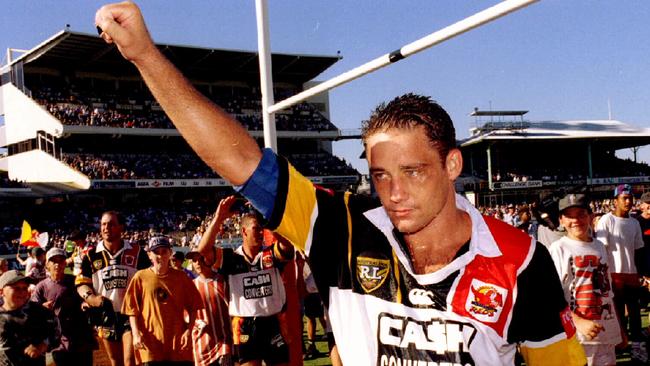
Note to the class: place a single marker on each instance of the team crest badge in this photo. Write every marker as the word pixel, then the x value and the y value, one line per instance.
pixel 267 260
pixel 372 272
pixel 98 264
pixel 129 260
pixel 485 301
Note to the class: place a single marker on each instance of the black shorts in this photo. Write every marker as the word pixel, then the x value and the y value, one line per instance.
pixel 313 306
pixel 115 331
pixel 259 338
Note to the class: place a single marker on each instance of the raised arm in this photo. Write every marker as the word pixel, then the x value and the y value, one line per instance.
pixel 206 247
pixel 216 137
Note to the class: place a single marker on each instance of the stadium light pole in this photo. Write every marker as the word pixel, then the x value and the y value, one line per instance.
pixel 266 75
pixel 460 27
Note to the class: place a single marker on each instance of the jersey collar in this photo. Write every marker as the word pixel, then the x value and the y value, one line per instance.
pixel 482 242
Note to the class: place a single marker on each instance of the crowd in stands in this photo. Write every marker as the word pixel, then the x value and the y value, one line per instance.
pixel 186 166
pixel 75 105
pixel 5 182
pixel 139 166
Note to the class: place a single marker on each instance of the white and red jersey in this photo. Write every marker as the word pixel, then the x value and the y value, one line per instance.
pixel 501 290
pixel 212 337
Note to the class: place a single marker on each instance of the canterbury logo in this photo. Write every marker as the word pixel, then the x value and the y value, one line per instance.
pixel 421 297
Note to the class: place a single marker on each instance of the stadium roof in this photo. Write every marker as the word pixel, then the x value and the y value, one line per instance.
pixel 610 134
pixel 74 51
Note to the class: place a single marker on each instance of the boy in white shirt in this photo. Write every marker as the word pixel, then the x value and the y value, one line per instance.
pixel 582 264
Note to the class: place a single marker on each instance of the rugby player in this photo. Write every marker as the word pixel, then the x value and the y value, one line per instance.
pixel 105 274
pixel 422 278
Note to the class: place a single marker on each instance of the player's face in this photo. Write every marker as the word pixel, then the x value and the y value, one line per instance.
pixel 16 295
pixel 253 233
pixel 576 221
pixel 411 180
pixel 56 267
pixel 110 228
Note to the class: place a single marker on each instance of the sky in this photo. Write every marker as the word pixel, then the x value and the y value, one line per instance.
pixel 560 60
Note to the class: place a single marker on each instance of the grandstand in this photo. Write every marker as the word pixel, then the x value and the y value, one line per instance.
pixel 510 159
pixel 78 116
pixel 83 134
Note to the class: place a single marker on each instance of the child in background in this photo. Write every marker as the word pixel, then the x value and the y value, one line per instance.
pixel 155 302
pixel 212 334
pixel 27 330
pixel 581 262
pixel 58 293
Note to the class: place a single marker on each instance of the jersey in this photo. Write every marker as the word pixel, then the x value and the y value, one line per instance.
pixel 212 336
pixel 256 287
pixel 496 294
pixel 108 274
pixel 584 273
pixel 622 237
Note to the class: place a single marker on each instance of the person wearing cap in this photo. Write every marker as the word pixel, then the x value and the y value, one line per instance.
pixel 105 274
pixel 155 302
pixel 622 237
pixel 27 330
pixel 58 293
pixel 581 262
pixel 212 334
pixel 81 248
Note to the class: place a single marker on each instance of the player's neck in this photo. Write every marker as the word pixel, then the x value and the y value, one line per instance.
pixel 113 247
pixel 251 251
pixel 436 245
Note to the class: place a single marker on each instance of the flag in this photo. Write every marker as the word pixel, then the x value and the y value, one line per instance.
pixel 32 238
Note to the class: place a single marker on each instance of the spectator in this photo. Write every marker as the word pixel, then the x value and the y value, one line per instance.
pixel 581 263
pixel 622 237
pixel 58 293
pixel 4 265
pixel 155 302
pixel 176 262
pixel 510 216
pixel 212 334
pixel 34 264
pixel 81 249
pixel 26 329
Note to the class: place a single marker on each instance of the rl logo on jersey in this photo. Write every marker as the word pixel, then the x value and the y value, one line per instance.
pixel 485 301
pixel 372 272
